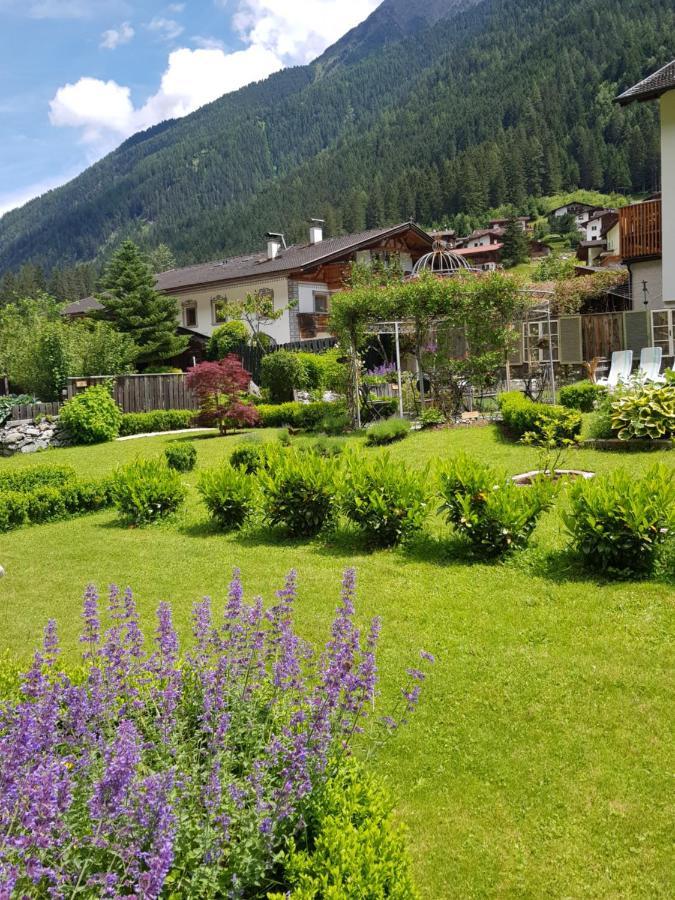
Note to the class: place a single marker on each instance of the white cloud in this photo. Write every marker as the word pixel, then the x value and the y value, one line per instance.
pixel 275 34
pixel 175 8
pixel 208 43
pixel 114 37
pixel 165 29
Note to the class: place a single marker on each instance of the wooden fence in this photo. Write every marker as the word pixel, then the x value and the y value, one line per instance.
pixel 26 411
pixel 141 393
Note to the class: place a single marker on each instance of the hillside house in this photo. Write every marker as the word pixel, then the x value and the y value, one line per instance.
pixel 601 245
pixel 582 212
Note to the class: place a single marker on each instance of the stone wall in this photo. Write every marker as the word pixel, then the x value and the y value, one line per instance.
pixel 29 437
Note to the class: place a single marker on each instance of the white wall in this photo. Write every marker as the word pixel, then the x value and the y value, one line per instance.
pixel 306 295
pixel 279 330
pixel 649 271
pixel 668 193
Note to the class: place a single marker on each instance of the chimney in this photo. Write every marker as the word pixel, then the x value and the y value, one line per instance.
pixel 316 231
pixel 274 244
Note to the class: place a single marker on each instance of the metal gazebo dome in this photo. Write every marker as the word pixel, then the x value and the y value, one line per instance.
pixel 441 261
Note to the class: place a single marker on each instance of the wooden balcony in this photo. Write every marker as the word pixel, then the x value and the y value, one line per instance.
pixel 640 229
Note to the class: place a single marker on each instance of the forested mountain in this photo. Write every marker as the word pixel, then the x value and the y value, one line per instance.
pixel 424 110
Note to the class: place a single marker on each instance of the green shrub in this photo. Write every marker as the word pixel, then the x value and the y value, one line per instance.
pixel 581 396
pixel 226 339
pixel 647 411
pixel 600 424
pixel 432 417
pixel 249 456
pixel 313 370
pixel 308 416
pixel 229 495
pixel 335 422
pixel 520 415
pixel 282 372
pixel 325 446
pixel 13 510
pixel 484 506
pixel 181 456
pixel 88 495
pixel 45 504
pixel 298 492
pixel 44 475
pixel 147 490
pixel 618 521
pixel 158 420
pixel 91 417
pixel 357 850
pixel 387 432
pixel 388 501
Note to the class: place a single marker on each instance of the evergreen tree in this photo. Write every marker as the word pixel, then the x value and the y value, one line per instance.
pixel 516 244
pixel 129 299
pixel 161 259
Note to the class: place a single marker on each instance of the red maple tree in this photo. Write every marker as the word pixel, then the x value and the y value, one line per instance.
pixel 219 388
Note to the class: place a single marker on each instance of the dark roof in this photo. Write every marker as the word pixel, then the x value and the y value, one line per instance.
pixel 651 87
pixel 82 307
pixel 295 258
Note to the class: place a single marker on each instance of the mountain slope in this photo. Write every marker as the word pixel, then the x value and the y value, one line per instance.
pixel 483 102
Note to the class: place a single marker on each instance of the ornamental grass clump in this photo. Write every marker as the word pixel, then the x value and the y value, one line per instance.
pixel 299 491
pixel 225 772
pixel 488 509
pixel 229 495
pixel 618 522
pixel 387 432
pixel 384 498
pixel 147 490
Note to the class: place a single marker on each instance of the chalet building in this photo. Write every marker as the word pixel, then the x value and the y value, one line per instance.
pixel 601 246
pixel 582 212
pixel 485 256
pixel 480 238
pixel 300 280
pixel 525 223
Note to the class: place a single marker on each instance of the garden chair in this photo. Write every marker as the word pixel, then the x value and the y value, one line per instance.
pixel 619 371
pixel 650 365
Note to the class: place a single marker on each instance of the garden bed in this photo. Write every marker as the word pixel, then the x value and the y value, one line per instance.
pixel 637 445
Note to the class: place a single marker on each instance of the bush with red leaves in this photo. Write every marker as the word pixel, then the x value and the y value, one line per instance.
pixel 219 387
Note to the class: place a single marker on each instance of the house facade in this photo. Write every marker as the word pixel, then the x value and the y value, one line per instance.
pixel 299 279
pixel 647 230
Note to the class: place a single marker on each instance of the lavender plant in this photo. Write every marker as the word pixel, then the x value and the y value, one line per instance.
pixel 159 774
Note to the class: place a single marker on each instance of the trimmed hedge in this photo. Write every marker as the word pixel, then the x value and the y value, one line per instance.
pixel 521 415
pixel 158 420
pixel 307 416
pixel 33 502
pixel 581 395
pixel 46 475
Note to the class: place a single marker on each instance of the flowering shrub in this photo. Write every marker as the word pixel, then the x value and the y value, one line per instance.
pixel 219 387
pixel 224 773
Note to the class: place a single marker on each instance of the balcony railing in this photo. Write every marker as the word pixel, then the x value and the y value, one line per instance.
pixel 640 229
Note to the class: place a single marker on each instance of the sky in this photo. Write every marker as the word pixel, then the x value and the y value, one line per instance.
pixel 77 77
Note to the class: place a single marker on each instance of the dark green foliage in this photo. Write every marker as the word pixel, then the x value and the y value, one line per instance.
pixel 41 475
pixel 226 339
pixel 516 247
pixel 91 417
pixel 8 402
pixel 129 299
pixel 280 373
pixel 87 495
pixel 248 456
pixel 381 433
pixel 600 425
pixel 181 456
pixel 383 408
pixel 299 492
pixel 147 490
pixel 229 495
pixel 357 850
pixel 386 499
pixel 432 417
pixel 488 509
pixel 521 415
pixel 335 421
pixel 159 420
pixel 45 504
pixel 326 446
pixel 618 522
pixel 496 103
pixel 581 396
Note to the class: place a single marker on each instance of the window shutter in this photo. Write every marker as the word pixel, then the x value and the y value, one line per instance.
pixel 636 330
pixel 516 354
pixel 570 348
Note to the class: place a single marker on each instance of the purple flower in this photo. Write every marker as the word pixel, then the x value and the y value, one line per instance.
pixel 428 656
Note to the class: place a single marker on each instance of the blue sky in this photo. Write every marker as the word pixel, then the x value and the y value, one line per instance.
pixel 79 76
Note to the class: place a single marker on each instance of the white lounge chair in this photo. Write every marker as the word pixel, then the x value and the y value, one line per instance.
pixel 650 365
pixel 619 370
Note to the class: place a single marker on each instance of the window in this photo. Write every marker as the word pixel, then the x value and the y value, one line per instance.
pixel 218 310
pixel 190 315
pixel 265 294
pixel 321 299
pixel 536 341
pixel 663 329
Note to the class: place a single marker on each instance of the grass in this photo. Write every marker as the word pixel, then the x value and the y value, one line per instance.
pixel 539 762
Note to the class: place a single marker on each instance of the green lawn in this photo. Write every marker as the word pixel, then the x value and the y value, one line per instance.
pixel 540 761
